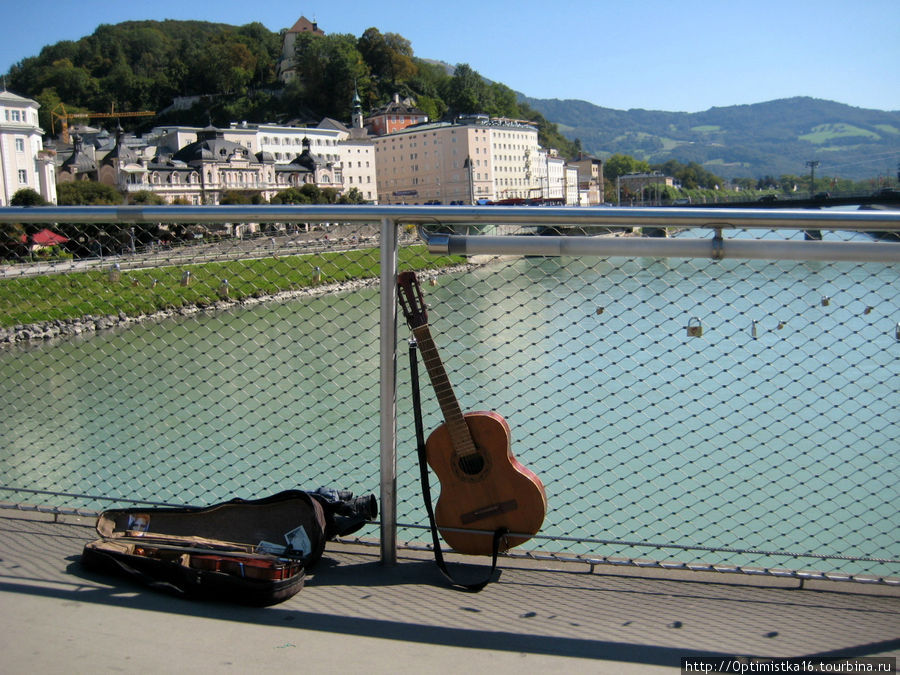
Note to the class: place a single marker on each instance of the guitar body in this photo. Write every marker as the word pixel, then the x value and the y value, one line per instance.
pixel 486 491
pixel 484 488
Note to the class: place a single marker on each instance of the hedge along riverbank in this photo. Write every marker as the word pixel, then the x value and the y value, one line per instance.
pixel 49 306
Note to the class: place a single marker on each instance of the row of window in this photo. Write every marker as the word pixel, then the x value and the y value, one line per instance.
pixel 415 180
pixel 275 140
pixel 13 115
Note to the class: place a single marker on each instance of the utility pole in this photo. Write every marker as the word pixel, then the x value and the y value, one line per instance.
pixel 812 164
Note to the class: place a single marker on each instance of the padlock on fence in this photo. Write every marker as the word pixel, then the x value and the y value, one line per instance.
pixel 694 327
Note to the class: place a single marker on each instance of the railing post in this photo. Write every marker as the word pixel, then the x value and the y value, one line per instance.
pixel 388 392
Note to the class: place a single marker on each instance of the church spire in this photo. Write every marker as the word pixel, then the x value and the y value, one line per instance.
pixel 357 119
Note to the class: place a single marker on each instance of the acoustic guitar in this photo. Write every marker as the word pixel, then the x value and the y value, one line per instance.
pixel 483 486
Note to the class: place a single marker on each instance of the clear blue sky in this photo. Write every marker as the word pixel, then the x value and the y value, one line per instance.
pixel 676 55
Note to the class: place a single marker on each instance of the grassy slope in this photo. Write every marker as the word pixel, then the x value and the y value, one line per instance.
pixel 36 299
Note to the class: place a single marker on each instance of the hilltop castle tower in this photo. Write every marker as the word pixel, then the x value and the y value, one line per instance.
pixel 287 67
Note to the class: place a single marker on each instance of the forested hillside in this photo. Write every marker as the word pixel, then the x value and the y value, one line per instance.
pixel 143 65
pixel 774 138
pixel 230 73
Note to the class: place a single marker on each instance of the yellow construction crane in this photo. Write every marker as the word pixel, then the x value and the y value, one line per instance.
pixel 59 113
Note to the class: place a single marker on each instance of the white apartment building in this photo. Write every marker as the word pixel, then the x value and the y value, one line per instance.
pixel 282 143
pixel 556 178
pixel 571 186
pixel 472 159
pixel 520 164
pixel 441 162
pixel 23 161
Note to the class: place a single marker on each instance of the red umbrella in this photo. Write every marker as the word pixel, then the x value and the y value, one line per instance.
pixel 46 238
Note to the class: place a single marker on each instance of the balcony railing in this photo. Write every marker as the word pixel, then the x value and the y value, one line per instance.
pixel 722 397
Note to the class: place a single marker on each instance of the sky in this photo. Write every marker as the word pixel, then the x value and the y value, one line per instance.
pixel 673 55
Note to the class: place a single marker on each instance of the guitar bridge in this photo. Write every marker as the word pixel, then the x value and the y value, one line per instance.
pixel 488 511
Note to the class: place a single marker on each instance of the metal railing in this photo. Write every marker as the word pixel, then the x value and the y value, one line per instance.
pixel 601 267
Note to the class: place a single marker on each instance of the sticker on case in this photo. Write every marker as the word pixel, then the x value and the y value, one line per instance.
pixel 138 522
pixel 298 541
pixel 270 548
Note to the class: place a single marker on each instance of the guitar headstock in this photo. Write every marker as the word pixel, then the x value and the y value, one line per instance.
pixel 412 302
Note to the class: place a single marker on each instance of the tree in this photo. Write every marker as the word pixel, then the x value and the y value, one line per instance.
pixel 435 108
pixel 465 93
pixel 266 48
pixel 225 66
pixel 12 234
pixel 86 192
pixel 389 57
pixel 241 197
pixel 619 165
pixel 146 197
pixel 11 244
pixel 330 68
pixel 89 239
pixel 790 182
pixel 27 197
pixel 501 101
pixel 352 196
pixel 310 193
pixel 291 195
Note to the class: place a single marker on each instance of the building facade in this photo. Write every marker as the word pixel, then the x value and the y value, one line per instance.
pixel 24 163
pixel 197 166
pixel 474 159
pixel 590 179
pixel 519 163
pixel 443 162
pixel 395 116
pixel 643 187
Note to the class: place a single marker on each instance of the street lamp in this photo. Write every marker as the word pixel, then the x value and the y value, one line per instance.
pixel 812 164
pixel 467 165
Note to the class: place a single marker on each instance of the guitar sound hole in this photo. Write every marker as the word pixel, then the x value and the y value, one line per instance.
pixel 471 465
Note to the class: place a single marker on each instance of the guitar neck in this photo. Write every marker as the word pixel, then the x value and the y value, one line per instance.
pixel 453 415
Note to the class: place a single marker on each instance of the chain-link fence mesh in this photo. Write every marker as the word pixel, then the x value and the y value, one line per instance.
pixel 727 414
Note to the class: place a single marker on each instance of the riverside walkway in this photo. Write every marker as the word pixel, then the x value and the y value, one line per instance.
pixel 356 615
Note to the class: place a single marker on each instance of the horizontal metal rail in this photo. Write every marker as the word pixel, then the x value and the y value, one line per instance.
pixel 449 215
pixel 717 248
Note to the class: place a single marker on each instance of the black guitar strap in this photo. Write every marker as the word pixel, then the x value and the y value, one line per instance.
pixel 426 489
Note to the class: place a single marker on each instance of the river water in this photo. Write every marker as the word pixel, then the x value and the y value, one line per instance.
pixel 777 430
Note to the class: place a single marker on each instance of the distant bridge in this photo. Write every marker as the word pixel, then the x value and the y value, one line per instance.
pixel 888 197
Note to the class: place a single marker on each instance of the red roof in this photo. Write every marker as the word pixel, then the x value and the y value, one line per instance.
pixel 46 238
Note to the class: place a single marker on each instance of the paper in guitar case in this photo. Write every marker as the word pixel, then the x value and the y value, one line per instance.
pixel 253 552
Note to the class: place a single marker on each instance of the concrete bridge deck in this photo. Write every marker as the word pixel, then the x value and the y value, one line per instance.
pixel 356 615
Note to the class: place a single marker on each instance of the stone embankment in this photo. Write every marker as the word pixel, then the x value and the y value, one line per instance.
pixel 62 328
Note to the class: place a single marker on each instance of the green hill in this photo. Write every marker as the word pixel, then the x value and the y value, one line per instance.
pixel 773 138
pixel 229 73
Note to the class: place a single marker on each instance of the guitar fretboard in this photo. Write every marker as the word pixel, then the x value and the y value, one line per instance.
pixel 453 415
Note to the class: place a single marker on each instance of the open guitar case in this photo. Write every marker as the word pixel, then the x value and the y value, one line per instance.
pixel 253 552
